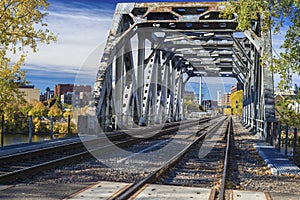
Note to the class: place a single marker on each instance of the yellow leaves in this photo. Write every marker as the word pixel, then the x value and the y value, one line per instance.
pixel 21 24
pixel 246 11
pixel 10 75
pixel 287 115
pixel 67 113
pixel 227 111
pixel 55 111
pixel 236 102
pixel 38 110
pixel 30 113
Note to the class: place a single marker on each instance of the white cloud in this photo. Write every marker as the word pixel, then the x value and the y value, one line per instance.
pixel 79 30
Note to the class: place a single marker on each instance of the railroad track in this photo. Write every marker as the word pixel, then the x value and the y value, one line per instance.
pixel 162 174
pixel 25 164
pixel 115 181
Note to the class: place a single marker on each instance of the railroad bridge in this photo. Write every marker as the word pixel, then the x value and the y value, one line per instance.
pixel 154 48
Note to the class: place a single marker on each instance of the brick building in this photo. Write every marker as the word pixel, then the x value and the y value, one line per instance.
pixel 78 95
pixel 61 89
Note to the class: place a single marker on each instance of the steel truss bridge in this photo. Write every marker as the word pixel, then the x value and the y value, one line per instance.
pixel 154 48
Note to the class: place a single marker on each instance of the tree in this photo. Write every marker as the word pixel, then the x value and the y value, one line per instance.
pixel 55 112
pixel 16 118
pixel 21 28
pixel 191 106
pixel 274 13
pixel 9 75
pixel 67 113
pixel 39 110
pixel 236 102
pixel 22 25
pixel 54 101
pixel 286 114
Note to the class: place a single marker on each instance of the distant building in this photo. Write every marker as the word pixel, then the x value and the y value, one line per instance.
pixel 219 98
pixel 226 99
pixel 81 99
pixel 189 94
pixel 209 104
pixel 66 98
pixel 214 103
pixel 47 95
pixel 81 95
pixel 277 98
pixel 286 93
pixel 294 106
pixel 82 88
pixel 30 93
pixel 291 95
pixel 77 95
pixel 63 89
pixel 235 88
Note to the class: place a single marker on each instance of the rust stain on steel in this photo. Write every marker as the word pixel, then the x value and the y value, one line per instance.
pixel 161 9
pixel 168 6
pixel 156 9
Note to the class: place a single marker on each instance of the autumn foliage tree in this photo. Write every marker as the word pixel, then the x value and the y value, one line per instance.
pixel 274 14
pixel 236 102
pixel 191 106
pixel 9 75
pixel 55 112
pixel 39 110
pixel 287 115
pixel 22 28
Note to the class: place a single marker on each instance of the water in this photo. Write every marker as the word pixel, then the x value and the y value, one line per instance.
pixel 10 139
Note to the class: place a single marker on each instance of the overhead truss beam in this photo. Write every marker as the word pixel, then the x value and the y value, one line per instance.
pixel 151 46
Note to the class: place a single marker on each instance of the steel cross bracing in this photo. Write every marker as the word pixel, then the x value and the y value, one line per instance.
pixel 154 48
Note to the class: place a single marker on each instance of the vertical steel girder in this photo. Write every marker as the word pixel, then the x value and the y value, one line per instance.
pixel 259 108
pixel 151 45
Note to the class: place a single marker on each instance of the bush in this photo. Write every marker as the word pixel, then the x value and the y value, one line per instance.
pixel 62 128
pixel 40 126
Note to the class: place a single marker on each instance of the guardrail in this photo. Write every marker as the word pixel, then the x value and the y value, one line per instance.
pixel 30 128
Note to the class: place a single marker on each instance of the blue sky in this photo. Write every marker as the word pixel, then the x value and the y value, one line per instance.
pixel 82 27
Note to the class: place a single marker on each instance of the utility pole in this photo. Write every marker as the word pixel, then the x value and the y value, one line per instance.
pixel 236 108
pixel 2 131
pixel 30 129
pixel 200 91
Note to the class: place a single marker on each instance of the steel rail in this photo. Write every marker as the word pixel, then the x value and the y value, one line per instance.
pixel 61 147
pixel 36 152
pixel 225 168
pixel 165 167
pixel 29 171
